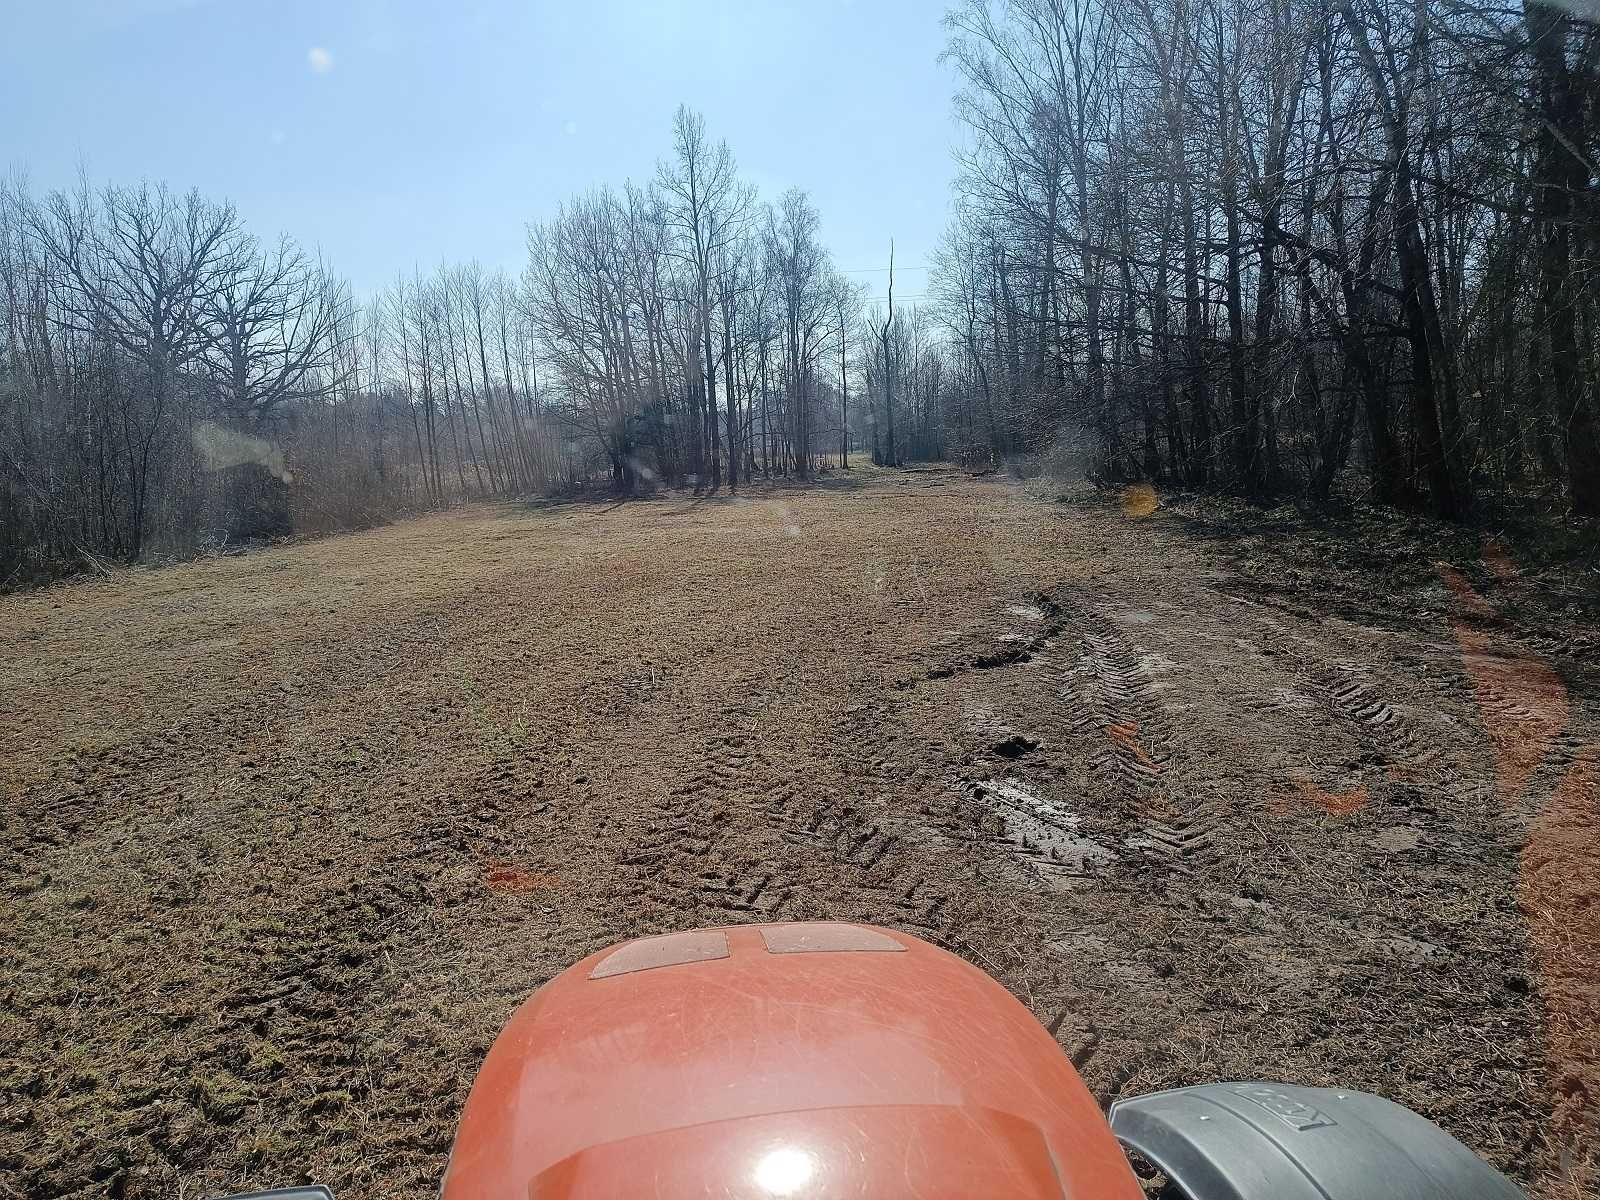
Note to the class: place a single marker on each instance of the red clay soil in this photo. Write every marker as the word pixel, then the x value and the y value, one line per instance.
pixel 1561 900
pixel 1522 701
pixel 285 838
pixel 1339 804
pixel 1524 708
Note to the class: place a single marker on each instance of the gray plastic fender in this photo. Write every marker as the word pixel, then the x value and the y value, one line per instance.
pixel 1279 1141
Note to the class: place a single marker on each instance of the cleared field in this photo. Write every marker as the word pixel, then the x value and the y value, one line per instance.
pixel 288 836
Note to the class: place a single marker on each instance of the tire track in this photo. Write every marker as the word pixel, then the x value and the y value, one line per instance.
pixel 1111 697
pixel 1045 839
pixel 1012 651
pixel 1351 696
pixel 738 839
pixel 1347 692
pixel 597 734
pixel 1107 713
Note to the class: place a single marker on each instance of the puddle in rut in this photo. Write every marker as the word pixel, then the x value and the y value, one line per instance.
pixel 1044 834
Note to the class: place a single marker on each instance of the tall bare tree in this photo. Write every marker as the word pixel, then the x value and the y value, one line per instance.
pixel 709 208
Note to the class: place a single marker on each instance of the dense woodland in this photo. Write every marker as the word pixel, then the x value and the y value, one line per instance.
pixel 1276 247
pixel 1284 246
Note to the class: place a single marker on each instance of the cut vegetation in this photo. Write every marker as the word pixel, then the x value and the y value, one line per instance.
pixel 289 835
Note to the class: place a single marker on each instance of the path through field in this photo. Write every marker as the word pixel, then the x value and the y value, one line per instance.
pixel 288 836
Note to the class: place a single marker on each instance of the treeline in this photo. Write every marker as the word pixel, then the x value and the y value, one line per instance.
pixel 170 382
pixel 691 332
pixel 919 402
pixel 1276 246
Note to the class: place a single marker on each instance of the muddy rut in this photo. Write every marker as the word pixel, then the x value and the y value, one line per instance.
pixel 288 836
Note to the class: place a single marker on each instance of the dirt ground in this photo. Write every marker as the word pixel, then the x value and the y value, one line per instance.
pixel 286 837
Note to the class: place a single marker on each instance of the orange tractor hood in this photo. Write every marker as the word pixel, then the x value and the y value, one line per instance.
pixel 760 1061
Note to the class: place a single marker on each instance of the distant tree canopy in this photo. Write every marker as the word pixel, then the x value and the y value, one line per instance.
pixel 1271 244
pixel 169 382
pixel 684 327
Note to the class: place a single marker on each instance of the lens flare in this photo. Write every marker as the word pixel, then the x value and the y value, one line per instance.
pixel 783 1172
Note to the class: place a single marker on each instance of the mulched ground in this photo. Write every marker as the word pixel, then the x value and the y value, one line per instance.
pixel 288 836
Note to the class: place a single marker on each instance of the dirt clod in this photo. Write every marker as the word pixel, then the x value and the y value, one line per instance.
pixel 1014 746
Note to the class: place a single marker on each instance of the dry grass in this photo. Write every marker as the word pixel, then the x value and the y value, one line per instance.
pixel 289 835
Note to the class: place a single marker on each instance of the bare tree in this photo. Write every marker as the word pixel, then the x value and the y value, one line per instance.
pixel 892 458
pixel 801 271
pixel 274 323
pixel 1306 211
pixel 709 209
pixel 846 304
pixel 139 268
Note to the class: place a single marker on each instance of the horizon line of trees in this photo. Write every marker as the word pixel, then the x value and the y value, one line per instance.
pixel 170 382
pixel 1275 246
pixel 688 327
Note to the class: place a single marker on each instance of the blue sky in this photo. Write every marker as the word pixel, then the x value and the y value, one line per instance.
pixel 390 133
